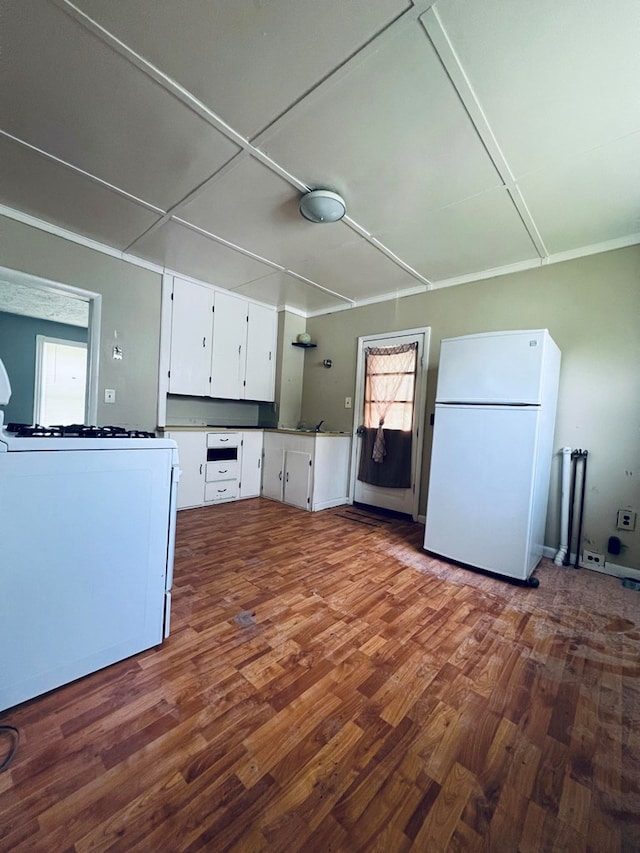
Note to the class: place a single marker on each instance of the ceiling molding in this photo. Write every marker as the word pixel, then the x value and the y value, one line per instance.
pixel 291 310
pixel 494 272
pixel 94 178
pixel 559 257
pixel 391 297
pixel 594 249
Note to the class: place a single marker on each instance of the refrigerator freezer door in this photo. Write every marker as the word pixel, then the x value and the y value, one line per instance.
pixel 481 487
pixel 501 367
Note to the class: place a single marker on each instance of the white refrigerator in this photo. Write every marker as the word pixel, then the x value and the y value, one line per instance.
pixel 492 450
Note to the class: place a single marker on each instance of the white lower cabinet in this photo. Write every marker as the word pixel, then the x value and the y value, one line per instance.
pixel 307 470
pixel 192 453
pixel 297 478
pixel 217 466
pixel 251 464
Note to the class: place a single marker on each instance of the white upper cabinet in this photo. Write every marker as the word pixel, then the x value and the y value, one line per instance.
pixel 229 351
pixel 243 353
pixel 221 345
pixel 190 359
pixel 261 354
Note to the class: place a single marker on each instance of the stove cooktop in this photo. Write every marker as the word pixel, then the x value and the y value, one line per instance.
pixel 74 431
pixel 74 437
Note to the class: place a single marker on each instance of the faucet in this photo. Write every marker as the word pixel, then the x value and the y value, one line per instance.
pixel 317 426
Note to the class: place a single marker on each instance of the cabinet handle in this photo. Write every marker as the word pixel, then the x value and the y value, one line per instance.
pixel 221 491
pixel 224 439
pixel 259 463
pixel 204 342
pixel 280 476
pixel 287 478
pixel 222 470
pixel 201 467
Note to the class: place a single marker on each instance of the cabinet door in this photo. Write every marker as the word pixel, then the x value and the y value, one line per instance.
pixel 272 467
pixel 261 353
pixel 191 325
pixel 229 351
pixel 251 464
pixel 297 478
pixel 192 453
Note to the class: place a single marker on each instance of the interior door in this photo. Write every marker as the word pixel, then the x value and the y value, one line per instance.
pixel 404 500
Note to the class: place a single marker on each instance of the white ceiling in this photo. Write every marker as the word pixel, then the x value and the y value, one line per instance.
pixel 28 300
pixel 466 136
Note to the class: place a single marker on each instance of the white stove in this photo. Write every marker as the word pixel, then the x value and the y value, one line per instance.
pixel 26 437
pixel 87 537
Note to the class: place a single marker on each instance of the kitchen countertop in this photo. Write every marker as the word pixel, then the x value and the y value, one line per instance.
pixel 210 428
pixel 308 432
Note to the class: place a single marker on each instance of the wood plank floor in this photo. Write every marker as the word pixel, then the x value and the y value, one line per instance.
pixel 328 686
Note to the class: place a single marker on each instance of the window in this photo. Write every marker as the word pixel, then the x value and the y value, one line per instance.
pixel 390 384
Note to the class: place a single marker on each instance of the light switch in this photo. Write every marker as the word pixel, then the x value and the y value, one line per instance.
pixel 109 395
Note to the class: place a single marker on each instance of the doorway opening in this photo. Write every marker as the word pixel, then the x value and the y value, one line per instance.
pixel 59 306
pixel 388 417
pixel 60 381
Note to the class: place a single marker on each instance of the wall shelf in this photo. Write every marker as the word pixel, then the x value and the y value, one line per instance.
pixel 303 346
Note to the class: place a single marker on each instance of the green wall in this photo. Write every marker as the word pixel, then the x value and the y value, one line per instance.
pixel 130 314
pixel 591 306
pixel 18 353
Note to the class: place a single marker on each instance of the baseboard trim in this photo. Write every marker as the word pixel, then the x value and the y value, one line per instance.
pixel 612 569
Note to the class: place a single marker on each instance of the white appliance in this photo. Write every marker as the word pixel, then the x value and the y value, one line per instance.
pixel 87 535
pixel 492 450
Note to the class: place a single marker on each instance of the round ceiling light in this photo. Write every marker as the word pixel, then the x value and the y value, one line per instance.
pixel 322 206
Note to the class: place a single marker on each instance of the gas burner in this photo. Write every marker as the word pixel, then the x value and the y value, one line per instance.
pixel 75 431
pixel 33 431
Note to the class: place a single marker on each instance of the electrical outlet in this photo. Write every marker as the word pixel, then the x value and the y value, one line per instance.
pixel 109 395
pixel 592 560
pixel 347 402
pixel 626 519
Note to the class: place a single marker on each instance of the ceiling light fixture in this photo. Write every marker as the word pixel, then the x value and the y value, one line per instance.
pixel 322 206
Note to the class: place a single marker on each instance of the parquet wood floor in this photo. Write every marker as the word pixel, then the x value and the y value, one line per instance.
pixel 328 686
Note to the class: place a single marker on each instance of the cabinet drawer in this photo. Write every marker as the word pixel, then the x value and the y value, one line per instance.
pixel 223 439
pixel 221 471
pixel 222 490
